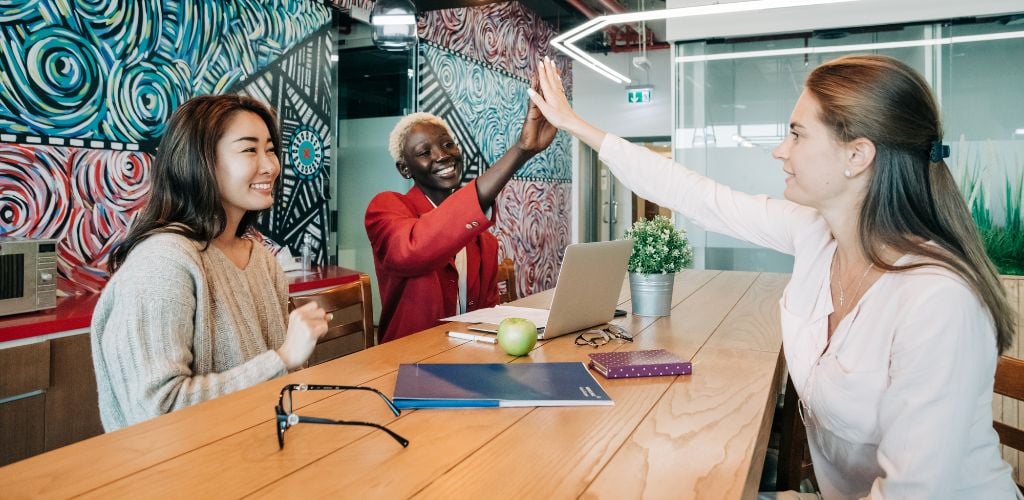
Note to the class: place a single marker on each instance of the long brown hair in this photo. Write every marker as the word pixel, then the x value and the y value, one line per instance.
pixel 910 198
pixel 184 198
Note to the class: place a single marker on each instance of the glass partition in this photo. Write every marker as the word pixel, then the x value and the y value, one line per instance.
pixel 734 97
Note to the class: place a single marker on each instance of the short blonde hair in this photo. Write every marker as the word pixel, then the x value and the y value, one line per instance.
pixel 401 131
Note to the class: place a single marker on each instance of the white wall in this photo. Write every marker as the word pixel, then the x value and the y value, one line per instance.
pixel 364 169
pixel 603 103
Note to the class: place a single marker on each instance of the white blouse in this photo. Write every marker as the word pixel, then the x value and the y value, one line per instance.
pixel 899 403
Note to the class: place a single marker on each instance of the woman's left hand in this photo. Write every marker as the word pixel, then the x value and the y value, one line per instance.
pixel 537 132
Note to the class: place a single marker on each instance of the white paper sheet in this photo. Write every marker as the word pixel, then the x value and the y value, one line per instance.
pixel 495 314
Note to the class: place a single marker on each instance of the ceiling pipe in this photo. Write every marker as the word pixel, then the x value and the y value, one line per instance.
pixel 612 31
pixel 632 39
pixel 620 38
pixel 583 8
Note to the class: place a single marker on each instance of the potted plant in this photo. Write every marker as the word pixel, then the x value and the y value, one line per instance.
pixel 659 252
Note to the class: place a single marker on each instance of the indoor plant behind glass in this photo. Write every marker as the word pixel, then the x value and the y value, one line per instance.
pixel 659 252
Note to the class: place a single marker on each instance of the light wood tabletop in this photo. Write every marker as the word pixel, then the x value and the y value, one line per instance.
pixel 694 436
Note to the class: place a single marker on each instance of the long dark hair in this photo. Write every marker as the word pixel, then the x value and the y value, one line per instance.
pixel 184 198
pixel 910 199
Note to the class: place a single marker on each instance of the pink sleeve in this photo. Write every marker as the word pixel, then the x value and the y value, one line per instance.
pixel 758 219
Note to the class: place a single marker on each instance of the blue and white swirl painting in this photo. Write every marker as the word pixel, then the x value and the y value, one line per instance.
pixel 116 70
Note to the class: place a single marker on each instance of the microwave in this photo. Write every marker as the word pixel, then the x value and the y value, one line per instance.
pixel 28 275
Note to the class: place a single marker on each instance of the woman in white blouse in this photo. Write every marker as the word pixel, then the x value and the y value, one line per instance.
pixel 894 316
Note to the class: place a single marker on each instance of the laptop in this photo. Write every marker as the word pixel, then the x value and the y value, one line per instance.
pixel 587 289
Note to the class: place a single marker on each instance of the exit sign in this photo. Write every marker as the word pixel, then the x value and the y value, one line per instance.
pixel 637 96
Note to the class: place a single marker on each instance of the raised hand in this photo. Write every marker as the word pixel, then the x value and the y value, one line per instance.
pixel 550 96
pixel 537 132
pixel 306 325
pixel 551 101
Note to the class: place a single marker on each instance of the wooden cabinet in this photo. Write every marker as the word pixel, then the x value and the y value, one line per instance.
pixel 21 425
pixel 47 397
pixel 24 378
pixel 72 408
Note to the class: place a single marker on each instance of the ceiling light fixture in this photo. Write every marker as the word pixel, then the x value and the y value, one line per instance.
pixel 394 25
pixel 565 41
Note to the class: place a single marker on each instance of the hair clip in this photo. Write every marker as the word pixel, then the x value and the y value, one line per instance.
pixel 939 151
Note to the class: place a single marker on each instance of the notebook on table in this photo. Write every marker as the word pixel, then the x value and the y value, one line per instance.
pixel 490 385
pixel 586 293
pixel 650 363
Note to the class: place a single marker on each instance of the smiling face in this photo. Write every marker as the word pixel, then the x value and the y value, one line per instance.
pixel 432 160
pixel 811 157
pixel 247 165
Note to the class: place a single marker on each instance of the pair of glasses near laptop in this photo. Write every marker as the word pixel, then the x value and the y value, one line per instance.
pixel 598 338
pixel 286 416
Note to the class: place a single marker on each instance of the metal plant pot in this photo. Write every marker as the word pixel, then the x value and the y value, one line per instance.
pixel 651 293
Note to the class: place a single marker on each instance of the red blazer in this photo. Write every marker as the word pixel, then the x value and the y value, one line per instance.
pixel 414 247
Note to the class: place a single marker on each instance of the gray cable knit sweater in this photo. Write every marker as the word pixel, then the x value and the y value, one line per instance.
pixel 176 326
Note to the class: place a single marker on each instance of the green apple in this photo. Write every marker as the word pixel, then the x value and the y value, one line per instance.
pixel 517 335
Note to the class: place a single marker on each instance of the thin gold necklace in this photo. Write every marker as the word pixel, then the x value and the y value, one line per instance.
pixel 839 281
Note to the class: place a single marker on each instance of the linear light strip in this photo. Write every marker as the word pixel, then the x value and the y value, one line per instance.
pixel 852 47
pixel 564 42
pixel 595 65
pixel 574 53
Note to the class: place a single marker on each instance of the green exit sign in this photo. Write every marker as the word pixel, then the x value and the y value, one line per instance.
pixel 637 96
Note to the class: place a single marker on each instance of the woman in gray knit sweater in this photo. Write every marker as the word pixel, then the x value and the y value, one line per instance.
pixel 193 310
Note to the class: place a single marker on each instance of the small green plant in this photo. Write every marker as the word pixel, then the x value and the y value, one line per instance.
pixel 658 247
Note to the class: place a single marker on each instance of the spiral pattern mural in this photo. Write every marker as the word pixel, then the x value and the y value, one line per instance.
pixel 489 108
pixel 533 229
pixel 53 81
pixel 35 199
pixel 506 36
pixel 86 91
pixel 475 69
pixel 116 70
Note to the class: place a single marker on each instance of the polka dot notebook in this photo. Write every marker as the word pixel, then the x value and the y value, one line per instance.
pixel 628 364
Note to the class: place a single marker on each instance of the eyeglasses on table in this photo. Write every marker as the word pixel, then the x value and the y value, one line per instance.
pixel 287 418
pixel 598 338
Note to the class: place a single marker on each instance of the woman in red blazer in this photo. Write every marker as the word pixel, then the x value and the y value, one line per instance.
pixel 421 239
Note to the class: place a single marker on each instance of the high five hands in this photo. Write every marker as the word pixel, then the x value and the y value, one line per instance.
pixel 551 101
pixel 537 132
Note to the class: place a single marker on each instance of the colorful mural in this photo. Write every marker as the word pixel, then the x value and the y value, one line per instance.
pixel 116 70
pixel 533 229
pixel 85 198
pixel 86 91
pixel 475 65
pixel 507 37
pixel 486 109
pixel 298 85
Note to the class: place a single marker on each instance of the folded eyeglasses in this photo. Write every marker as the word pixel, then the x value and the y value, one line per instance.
pixel 286 416
pixel 598 338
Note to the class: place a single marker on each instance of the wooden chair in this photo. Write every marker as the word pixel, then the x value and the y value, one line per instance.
pixel 794 455
pixel 1010 383
pixel 507 281
pixel 351 327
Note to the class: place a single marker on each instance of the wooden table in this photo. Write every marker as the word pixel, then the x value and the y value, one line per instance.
pixel 697 436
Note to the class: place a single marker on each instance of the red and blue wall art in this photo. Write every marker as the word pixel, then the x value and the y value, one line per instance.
pixel 475 67
pixel 87 87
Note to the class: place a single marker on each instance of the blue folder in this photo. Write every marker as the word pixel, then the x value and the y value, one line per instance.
pixel 481 385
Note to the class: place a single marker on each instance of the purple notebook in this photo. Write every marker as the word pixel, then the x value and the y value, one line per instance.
pixel 651 363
